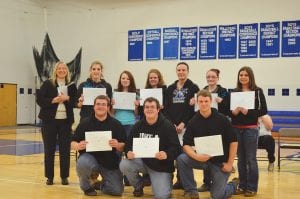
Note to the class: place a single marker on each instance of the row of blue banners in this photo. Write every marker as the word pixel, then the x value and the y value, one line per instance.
pixel 269 42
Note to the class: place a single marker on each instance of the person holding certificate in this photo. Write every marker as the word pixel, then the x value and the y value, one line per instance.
pixel 244 121
pixel 159 136
pixel 96 80
pixel 266 140
pixel 56 98
pixel 212 78
pixel 154 80
pixel 208 123
pixel 179 107
pixel 105 162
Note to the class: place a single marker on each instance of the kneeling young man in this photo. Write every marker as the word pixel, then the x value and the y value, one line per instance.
pixel 106 163
pixel 161 167
pixel 207 122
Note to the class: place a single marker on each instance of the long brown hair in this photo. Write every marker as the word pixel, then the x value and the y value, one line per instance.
pixel 252 84
pixel 161 81
pixel 131 87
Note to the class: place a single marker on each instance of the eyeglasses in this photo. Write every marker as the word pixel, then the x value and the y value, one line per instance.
pixel 211 77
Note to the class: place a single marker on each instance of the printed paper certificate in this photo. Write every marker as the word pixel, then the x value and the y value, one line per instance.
pixel 124 100
pixel 98 140
pixel 89 95
pixel 151 92
pixel 145 147
pixel 210 145
pixel 242 99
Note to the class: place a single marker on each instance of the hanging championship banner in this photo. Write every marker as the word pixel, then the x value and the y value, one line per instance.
pixel 188 43
pixel 170 43
pixel 153 38
pixel 208 42
pixel 290 39
pixel 248 36
pixel 135 45
pixel 227 41
pixel 269 39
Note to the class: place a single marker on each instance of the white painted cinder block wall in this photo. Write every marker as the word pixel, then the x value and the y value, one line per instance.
pixel 100 27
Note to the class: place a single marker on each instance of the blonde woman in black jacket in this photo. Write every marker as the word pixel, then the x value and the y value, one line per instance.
pixel 56 99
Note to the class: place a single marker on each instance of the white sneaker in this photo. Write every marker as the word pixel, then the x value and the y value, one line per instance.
pixel 271 167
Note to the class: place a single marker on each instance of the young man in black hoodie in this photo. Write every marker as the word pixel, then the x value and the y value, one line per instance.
pixel 159 168
pixel 207 122
pixel 179 107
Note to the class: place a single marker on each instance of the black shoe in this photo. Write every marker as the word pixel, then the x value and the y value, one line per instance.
pixel 203 188
pixel 177 185
pixel 49 181
pixel 64 181
pixel 138 192
pixel 146 180
pixel 90 192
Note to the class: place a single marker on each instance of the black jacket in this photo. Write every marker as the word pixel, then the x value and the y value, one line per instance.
pixel 108 159
pixel 215 124
pixel 45 96
pixel 168 142
pixel 177 108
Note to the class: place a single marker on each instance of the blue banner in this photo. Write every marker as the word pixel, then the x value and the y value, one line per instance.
pixel 153 37
pixel 188 43
pixel 208 42
pixel 170 40
pixel 135 45
pixel 248 36
pixel 290 39
pixel 227 42
pixel 269 39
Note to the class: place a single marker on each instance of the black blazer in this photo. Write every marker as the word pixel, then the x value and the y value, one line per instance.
pixel 45 95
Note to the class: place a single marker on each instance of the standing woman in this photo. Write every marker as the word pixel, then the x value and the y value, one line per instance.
pixel 154 80
pixel 244 122
pixel 96 80
pixel 57 97
pixel 127 118
pixel 212 78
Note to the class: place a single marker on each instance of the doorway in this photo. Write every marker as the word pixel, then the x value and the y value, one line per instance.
pixel 8 105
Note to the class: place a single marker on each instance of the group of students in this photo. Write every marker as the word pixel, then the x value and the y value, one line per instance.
pixel 174 122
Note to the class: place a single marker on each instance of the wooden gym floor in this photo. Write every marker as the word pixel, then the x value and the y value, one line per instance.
pixel 22 174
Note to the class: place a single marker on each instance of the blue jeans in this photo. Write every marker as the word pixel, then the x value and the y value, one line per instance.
pixel 247 162
pixel 160 181
pixel 219 188
pixel 112 179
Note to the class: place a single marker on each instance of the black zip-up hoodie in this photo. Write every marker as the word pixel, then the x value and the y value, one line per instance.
pixel 168 142
pixel 177 108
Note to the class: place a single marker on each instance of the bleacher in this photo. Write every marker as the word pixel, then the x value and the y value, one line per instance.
pixel 285 119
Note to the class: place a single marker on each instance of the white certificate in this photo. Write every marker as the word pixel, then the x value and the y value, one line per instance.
pixel 145 147
pixel 242 99
pixel 98 140
pixel 151 92
pixel 210 145
pixel 214 103
pixel 89 94
pixel 124 100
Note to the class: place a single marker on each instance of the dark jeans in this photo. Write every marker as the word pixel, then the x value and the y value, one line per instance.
pixel 267 142
pixel 56 132
pixel 247 162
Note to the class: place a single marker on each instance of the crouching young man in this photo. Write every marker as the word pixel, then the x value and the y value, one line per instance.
pixel 106 163
pixel 161 167
pixel 207 122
